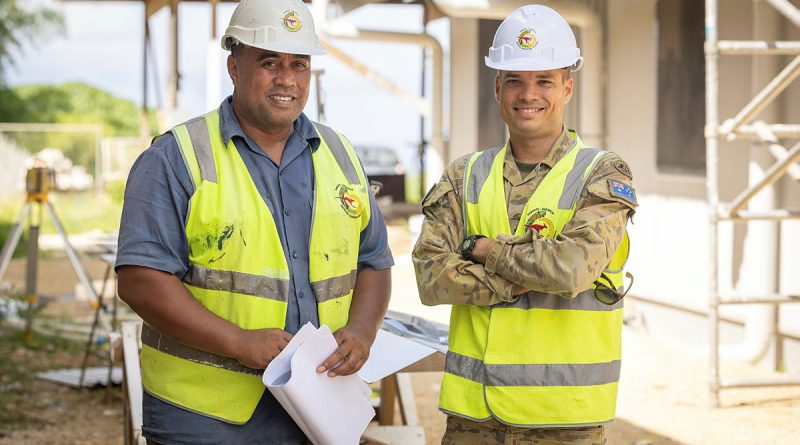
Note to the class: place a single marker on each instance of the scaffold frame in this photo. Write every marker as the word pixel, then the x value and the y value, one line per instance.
pixel 744 126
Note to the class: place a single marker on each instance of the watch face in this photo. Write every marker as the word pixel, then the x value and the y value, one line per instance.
pixel 466 245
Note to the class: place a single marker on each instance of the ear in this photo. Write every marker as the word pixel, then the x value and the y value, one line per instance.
pixel 568 90
pixel 497 87
pixel 232 69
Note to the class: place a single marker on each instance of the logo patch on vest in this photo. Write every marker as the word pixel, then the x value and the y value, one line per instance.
pixel 538 221
pixel 291 22
pixel 350 201
pixel 622 190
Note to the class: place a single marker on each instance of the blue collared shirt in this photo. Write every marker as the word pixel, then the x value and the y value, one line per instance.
pixel 153 228
pixel 153 234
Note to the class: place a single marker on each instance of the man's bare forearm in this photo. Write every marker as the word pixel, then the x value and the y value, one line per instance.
pixel 370 298
pixel 164 303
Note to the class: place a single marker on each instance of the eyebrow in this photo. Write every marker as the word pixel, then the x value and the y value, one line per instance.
pixel 538 76
pixel 271 55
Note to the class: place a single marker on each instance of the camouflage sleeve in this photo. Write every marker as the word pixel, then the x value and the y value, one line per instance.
pixel 443 277
pixel 572 261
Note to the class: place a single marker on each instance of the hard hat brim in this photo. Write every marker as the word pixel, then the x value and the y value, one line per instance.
pixel 533 65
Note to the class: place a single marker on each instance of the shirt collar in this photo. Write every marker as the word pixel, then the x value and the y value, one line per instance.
pixel 229 126
pixel 563 143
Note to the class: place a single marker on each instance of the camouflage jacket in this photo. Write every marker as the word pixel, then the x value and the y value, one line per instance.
pixel 563 266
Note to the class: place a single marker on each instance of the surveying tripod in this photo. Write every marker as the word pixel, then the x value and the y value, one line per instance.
pixel 39 181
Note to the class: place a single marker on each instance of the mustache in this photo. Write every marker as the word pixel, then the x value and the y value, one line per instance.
pixel 283 93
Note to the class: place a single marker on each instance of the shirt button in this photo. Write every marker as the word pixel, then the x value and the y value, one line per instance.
pixel 287 212
pixel 294 254
pixel 300 295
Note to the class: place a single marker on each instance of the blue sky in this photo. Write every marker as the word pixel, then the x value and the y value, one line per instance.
pixel 102 46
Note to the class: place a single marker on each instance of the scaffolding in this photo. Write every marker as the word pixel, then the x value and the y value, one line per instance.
pixel 744 126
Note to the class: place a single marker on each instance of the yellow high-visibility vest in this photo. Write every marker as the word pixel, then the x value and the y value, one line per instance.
pixel 543 360
pixel 237 267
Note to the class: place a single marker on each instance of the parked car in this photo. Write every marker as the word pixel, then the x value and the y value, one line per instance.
pixel 382 164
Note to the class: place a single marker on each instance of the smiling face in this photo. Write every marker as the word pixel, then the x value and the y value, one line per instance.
pixel 270 89
pixel 532 102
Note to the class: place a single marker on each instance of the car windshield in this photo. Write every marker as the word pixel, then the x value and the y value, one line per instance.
pixel 377 160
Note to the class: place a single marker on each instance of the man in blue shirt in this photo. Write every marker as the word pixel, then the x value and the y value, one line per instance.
pixel 270 69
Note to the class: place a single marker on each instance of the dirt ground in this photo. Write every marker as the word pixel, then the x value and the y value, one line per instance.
pixel 663 396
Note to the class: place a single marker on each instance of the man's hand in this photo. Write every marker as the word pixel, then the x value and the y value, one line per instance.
pixel 257 347
pixel 354 343
pixel 481 249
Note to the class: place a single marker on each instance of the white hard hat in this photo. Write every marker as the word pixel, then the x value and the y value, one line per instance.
pixel 534 38
pixel 283 26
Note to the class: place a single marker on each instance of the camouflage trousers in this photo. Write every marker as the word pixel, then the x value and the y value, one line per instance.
pixel 491 432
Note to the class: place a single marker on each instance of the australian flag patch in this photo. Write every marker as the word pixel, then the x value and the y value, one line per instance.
pixel 622 190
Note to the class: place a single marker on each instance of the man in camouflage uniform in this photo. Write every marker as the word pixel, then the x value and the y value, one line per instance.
pixel 506 270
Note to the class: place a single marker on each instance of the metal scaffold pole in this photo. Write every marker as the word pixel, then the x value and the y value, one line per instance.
pixel 743 126
pixel 712 161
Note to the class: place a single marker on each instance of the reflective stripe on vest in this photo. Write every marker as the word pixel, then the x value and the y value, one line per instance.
pixel 237 267
pixel 543 360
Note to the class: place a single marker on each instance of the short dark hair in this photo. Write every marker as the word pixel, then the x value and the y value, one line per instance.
pixel 236 49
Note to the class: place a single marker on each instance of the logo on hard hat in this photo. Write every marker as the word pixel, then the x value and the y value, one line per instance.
pixel 349 200
pixel 526 39
pixel 538 221
pixel 291 21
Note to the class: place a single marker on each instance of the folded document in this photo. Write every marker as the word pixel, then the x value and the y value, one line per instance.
pixel 333 410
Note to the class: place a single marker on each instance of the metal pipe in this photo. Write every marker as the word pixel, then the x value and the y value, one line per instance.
pixel 759 267
pixel 778 364
pixel 144 127
pixel 778 151
pixel 32 267
pixel 697 312
pixel 712 161
pixel 773 215
pixel 757 383
pixel 12 240
pixel 782 131
pixel 435 109
pixel 764 97
pixel 77 266
pixel 173 78
pixel 759 299
pixel 214 19
pixel 758 48
pixel 419 105
pixel 770 176
pixel 786 8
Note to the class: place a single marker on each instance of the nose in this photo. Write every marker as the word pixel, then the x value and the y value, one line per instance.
pixel 285 75
pixel 529 92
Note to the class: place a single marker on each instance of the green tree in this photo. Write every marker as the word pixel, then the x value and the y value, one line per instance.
pixel 74 103
pixel 22 25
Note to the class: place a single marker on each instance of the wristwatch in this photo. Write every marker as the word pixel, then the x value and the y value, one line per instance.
pixel 468 245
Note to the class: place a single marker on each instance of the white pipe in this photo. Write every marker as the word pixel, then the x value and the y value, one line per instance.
pixel 346 31
pixel 591 92
pixel 758 269
pixel 760 258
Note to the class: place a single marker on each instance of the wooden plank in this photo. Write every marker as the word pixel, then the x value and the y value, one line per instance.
pixel 431 363
pixel 394 435
pixel 388 396
pixel 405 395
pixel 133 376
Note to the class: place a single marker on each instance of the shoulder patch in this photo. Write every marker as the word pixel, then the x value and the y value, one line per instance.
pixel 623 168
pixel 622 191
